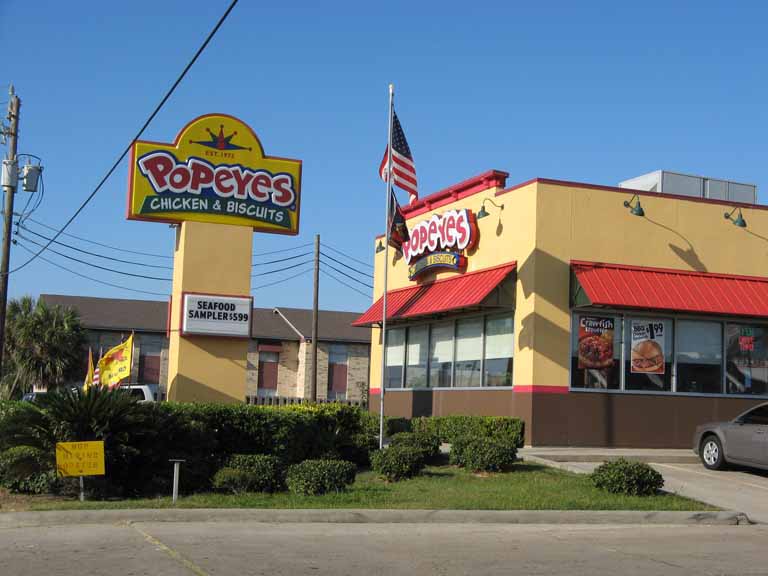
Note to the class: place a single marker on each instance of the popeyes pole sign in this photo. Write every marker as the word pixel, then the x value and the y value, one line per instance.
pixel 440 242
pixel 215 171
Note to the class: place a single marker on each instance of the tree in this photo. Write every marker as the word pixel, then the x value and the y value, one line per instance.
pixel 43 347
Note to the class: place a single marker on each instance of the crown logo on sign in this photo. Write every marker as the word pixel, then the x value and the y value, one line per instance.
pixel 220 141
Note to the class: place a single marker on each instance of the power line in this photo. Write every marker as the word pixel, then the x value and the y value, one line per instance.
pixel 366 274
pixel 280 269
pixel 283 250
pixel 136 137
pixel 345 284
pixel 57 265
pixel 92 265
pixel 348 256
pixel 81 239
pixel 96 254
pixel 347 275
pixel 281 259
pixel 291 277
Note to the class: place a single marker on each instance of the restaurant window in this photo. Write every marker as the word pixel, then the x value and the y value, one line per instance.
pixel 337 372
pixel 499 350
pixel 395 357
pixel 648 354
pixel 416 357
pixel 441 356
pixel 596 352
pixel 699 357
pixel 266 385
pixel 746 359
pixel 469 353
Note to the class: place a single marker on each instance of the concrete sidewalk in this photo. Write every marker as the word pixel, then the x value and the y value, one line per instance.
pixel 570 454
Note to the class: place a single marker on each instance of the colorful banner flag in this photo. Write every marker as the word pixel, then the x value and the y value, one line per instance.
pixel 398 231
pixel 115 365
pixel 89 375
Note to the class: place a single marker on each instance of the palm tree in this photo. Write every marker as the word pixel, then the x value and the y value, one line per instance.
pixel 43 346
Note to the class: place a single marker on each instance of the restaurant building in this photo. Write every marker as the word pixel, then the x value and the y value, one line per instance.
pixel 279 350
pixel 601 315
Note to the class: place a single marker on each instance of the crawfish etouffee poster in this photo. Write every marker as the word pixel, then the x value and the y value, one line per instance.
pixel 647 356
pixel 595 342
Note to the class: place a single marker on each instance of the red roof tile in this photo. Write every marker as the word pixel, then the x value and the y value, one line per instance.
pixel 441 296
pixel 663 289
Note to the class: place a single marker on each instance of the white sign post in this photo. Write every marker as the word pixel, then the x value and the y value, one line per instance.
pixel 213 315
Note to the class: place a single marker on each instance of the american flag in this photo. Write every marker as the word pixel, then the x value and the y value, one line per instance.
pixel 96 376
pixel 403 168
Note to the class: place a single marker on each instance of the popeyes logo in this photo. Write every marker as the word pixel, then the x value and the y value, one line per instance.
pixel 440 241
pixel 215 171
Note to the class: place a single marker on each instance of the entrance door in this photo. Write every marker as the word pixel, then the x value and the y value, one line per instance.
pixel 267 379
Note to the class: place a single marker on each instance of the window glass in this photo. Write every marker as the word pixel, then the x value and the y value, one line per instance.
pixel 469 352
pixel 395 357
pixel 746 359
pixel 699 357
pixel 416 357
pixel 337 354
pixel 499 351
pixel 596 352
pixel 648 354
pixel 441 355
pixel 337 372
pixel 757 416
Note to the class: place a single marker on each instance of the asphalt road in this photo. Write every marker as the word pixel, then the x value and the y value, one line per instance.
pixel 245 548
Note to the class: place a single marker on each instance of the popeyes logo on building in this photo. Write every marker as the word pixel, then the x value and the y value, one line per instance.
pixel 440 242
pixel 215 171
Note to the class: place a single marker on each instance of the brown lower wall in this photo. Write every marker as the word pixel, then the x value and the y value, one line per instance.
pixel 577 418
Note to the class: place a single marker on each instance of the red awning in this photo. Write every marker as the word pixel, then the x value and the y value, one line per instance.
pixel 465 291
pixel 614 285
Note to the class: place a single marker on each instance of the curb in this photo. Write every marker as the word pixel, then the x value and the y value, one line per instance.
pixel 358 516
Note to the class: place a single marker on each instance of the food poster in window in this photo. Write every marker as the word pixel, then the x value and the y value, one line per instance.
pixel 647 351
pixel 747 359
pixel 595 342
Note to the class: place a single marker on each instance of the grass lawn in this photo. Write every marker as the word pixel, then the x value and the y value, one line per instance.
pixel 525 487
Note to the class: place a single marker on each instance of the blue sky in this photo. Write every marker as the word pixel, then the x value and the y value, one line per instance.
pixel 588 91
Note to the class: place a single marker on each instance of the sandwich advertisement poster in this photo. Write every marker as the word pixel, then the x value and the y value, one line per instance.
pixel 595 342
pixel 647 347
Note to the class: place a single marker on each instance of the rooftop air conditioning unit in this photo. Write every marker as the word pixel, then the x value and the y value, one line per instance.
pixel 665 182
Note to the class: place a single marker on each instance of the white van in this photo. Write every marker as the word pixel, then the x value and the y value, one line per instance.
pixel 141 393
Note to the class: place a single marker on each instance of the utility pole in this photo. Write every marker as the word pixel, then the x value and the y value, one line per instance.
pixel 313 376
pixel 10 181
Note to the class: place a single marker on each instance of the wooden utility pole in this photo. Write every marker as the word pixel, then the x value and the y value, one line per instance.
pixel 315 300
pixel 10 180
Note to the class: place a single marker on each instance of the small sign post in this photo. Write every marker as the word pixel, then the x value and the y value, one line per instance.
pixel 176 468
pixel 80 459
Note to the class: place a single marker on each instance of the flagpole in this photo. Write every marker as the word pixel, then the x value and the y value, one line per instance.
pixel 386 266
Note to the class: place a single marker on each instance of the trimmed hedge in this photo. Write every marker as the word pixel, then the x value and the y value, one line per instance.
pixel 483 454
pixel 398 462
pixel 28 470
pixel 258 473
pixel 427 444
pixel 622 476
pixel 315 477
pixel 451 428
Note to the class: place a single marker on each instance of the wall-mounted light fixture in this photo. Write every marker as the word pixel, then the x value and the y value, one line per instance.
pixel 739 220
pixel 637 209
pixel 483 212
pixel 379 247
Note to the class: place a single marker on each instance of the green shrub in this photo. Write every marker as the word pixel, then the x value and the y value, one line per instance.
pixel 450 428
pixel 624 477
pixel 398 462
pixel 28 470
pixel 485 454
pixel 357 448
pixel 315 477
pixel 231 481
pixel 370 423
pixel 459 449
pixel 428 444
pixel 264 473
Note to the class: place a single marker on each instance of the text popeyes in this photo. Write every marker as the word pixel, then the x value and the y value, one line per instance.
pixel 167 174
pixel 452 229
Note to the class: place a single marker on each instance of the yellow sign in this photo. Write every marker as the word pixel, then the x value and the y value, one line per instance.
pixel 80 458
pixel 215 171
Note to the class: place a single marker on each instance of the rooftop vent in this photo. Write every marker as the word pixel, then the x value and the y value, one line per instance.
pixel 696 186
